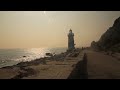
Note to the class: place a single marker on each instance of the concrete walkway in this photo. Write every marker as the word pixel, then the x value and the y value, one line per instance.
pixel 101 66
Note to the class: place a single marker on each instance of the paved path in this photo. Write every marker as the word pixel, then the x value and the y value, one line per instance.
pixel 101 66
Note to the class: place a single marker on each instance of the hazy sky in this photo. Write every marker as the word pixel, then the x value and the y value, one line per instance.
pixel 36 29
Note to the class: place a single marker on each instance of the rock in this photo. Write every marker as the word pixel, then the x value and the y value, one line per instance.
pixel 49 54
pixel 24 56
pixel 24 72
pixel 75 54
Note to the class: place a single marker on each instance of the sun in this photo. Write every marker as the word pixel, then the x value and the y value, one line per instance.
pixel 44 13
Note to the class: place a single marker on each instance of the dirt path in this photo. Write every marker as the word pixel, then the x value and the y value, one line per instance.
pixel 101 66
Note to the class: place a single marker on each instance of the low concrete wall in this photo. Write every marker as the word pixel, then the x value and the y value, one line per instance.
pixel 80 70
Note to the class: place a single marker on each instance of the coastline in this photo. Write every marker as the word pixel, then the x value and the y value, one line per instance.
pixel 46 65
pixel 9 57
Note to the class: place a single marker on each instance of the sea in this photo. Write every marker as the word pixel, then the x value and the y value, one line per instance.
pixel 9 57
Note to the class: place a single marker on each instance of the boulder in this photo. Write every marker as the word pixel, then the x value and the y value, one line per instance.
pixel 24 56
pixel 49 54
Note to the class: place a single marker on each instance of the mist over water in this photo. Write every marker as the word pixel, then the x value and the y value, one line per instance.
pixel 10 57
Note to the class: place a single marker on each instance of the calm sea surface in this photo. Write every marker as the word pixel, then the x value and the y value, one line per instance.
pixel 10 57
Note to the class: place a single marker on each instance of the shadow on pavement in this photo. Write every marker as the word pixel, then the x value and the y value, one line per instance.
pixel 80 70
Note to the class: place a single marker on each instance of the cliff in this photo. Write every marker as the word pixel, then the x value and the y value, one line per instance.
pixel 110 40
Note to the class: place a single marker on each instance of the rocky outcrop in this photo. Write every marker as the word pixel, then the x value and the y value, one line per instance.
pixel 110 38
pixel 24 72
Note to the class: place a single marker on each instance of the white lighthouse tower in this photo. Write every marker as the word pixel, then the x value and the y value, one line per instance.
pixel 71 45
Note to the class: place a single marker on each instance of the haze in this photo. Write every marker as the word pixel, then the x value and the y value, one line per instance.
pixel 36 29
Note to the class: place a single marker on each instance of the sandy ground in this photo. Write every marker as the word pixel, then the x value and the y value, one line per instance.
pixel 101 66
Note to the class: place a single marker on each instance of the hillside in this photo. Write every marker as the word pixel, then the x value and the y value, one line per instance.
pixel 110 40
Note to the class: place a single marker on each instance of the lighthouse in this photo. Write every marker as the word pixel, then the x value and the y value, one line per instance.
pixel 71 45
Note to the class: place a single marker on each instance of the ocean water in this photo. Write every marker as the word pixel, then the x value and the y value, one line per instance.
pixel 10 57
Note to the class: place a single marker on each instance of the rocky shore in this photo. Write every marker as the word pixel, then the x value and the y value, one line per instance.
pixel 45 65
